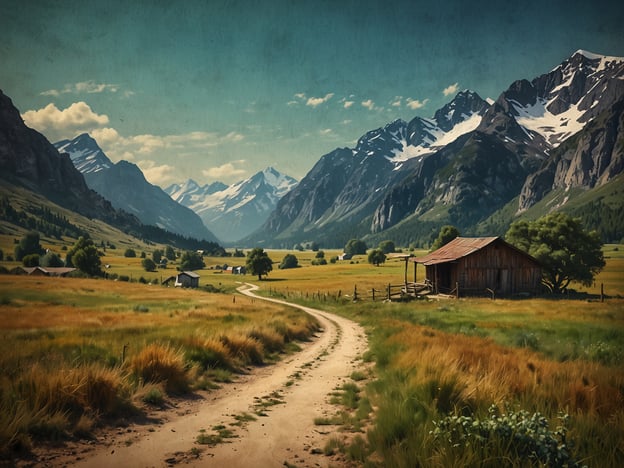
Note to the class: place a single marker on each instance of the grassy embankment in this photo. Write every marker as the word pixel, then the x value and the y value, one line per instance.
pixel 78 353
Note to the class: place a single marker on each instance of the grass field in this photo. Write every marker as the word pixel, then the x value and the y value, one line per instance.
pixel 75 352
pixel 469 382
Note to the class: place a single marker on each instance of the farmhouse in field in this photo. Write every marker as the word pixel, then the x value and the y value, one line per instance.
pixel 184 279
pixel 479 266
pixel 45 271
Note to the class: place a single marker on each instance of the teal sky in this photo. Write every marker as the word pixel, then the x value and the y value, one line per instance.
pixel 220 89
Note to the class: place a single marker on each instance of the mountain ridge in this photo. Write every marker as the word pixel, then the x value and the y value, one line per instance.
pixel 124 184
pixel 236 210
pixel 476 170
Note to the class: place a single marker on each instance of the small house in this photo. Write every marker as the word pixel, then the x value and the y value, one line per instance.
pixel 47 271
pixel 480 265
pixel 187 279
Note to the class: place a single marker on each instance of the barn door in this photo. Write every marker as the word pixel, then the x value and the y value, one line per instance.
pixel 504 281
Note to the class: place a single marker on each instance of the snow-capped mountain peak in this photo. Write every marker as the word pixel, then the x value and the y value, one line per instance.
pixel 85 154
pixel 559 104
pixel 236 210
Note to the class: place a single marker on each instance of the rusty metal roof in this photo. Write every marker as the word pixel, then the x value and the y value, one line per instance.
pixel 454 250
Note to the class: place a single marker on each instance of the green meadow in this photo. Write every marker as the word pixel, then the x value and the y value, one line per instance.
pixel 469 382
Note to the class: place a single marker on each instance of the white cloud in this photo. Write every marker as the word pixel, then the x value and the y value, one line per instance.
pixel 415 103
pixel 326 131
pixel 452 89
pixel 301 96
pixel 348 104
pixel 85 87
pixel 57 124
pixel 317 101
pixel 162 174
pixel 227 171
pixel 397 101
pixel 369 104
pixel 346 122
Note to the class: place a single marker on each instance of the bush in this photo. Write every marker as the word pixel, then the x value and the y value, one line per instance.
pixel 512 436
pixel 130 253
pixel 289 261
pixel 31 260
pixel 160 363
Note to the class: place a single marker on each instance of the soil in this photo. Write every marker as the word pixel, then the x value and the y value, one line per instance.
pixel 264 419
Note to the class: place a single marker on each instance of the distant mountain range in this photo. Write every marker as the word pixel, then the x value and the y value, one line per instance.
pixel 477 165
pixel 30 164
pixel 127 189
pixel 234 211
pixel 553 143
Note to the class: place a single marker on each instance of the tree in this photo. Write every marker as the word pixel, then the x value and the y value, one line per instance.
pixel 157 255
pixel 30 260
pixel 170 253
pixel 289 261
pixel 148 264
pixel 447 234
pixel 376 257
pixel 258 262
pixel 320 254
pixel 51 259
pixel 566 251
pixel 85 256
pixel 29 244
pixel 387 246
pixel 130 253
pixel 355 247
pixel 191 261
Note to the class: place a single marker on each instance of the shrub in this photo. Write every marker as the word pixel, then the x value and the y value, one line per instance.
pixel 512 436
pixel 247 349
pixel 130 253
pixel 160 363
pixel 271 340
pixel 208 353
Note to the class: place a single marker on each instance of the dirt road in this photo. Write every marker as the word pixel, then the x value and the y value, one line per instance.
pixel 289 395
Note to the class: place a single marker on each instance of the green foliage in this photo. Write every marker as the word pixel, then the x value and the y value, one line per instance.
pixel 355 247
pixel 130 253
pixel 29 244
pixel 320 254
pixel 376 257
pixel 170 253
pixel 518 436
pixel 191 261
pixel 157 255
pixel 51 260
pixel 387 246
pixel 85 256
pixel 31 260
pixel 566 251
pixel 258 262
pixel 289 261
pixel 148 264
pixel 447 234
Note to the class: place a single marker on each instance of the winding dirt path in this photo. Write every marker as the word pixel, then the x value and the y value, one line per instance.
pixel 290 395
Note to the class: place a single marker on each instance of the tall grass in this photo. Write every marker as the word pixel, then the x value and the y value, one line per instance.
pixel 431 374
pixel 76 353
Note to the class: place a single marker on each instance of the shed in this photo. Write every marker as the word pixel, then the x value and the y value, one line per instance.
pixel 477 265
pixel 47 271
pixel 187 279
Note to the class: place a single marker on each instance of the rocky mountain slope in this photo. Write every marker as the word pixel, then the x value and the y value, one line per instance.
pixel 235 211
pixel 125 186
pixel 466 163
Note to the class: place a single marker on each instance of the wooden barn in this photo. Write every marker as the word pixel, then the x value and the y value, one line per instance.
pixel 479 266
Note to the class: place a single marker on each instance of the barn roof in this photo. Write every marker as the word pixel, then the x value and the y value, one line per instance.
pixel 190 274
pixel 456 249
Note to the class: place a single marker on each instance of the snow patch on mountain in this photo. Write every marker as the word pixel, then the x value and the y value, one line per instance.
pixel 554 128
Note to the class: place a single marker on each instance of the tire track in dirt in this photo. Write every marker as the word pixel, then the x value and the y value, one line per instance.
pixel 289 394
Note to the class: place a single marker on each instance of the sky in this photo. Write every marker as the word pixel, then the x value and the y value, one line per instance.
pixel 221 89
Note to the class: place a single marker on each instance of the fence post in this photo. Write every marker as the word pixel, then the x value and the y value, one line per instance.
pixel 373 294
pixel 355 292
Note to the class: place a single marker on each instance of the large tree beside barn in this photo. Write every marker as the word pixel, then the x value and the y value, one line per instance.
pixel 567 252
